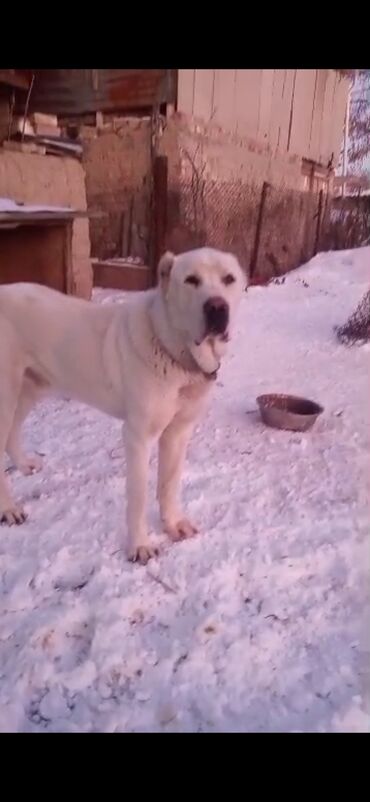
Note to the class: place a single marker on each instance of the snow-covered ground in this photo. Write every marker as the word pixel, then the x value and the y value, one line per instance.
pixel 259 623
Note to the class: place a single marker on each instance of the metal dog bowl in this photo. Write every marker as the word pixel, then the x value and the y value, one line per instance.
pixel 288 412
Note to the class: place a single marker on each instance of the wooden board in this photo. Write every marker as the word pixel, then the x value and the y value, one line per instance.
pixel 224 99
pixel 265 106
pixel 133 91
pixel 22 219
pixel 203 94
pixel 16 78
pixel 185 98
pixel 247 101
pixel 40 254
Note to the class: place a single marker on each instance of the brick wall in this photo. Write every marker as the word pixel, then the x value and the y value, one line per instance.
pixel 214 193
pixel 215 188
pixel 32 178
pixel 231 157
pixel 117 166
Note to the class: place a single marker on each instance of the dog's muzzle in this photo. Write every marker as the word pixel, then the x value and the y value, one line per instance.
pixel 216 313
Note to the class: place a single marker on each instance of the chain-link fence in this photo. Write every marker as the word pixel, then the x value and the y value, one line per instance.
pixel 348 224
pixel 270 230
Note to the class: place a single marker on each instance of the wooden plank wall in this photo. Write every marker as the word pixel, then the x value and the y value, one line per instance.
pixel 78 92
pixel 297 111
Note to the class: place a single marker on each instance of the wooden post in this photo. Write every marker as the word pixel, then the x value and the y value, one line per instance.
pixel 318 222
pixel 69 280
pixel 257 238
pixel 159 213
pixel 309 225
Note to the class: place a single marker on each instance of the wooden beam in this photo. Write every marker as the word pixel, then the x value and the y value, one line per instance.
pixel 159 214
pixel 14 78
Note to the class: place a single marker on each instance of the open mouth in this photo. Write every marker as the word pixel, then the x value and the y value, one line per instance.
pixel 224 337
pixel 216 316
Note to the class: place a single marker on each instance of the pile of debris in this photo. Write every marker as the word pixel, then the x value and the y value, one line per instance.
pixel 40 133
pixel 357 327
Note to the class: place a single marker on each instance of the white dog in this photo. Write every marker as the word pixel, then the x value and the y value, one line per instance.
pixel 149 362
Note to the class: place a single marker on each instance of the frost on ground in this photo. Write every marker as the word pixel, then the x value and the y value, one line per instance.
pixel 259 623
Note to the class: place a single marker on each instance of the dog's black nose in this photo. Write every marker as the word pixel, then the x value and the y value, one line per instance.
pixel 216 312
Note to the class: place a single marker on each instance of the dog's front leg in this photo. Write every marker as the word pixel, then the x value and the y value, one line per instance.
pixel 137 465
pixel 172 451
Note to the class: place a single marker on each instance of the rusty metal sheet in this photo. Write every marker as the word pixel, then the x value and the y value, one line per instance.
pixel 78 92
pixel 20 79
pixel 140 89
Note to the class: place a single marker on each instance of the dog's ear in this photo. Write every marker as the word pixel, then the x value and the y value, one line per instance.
pixel 165 267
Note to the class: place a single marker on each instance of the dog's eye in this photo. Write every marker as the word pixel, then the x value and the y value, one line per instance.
pixel 194 280
pixel 229 279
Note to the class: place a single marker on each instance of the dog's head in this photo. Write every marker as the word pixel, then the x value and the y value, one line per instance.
pixel 202 289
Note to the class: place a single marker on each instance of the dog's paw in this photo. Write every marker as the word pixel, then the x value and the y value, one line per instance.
pixel 29 464
pixel 13 514
pixel 142 553
pixel 180 530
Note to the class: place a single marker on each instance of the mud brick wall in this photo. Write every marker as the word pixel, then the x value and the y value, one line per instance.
pixel 215 186
pixel 117 164
pixel 32 178
pixel 215 181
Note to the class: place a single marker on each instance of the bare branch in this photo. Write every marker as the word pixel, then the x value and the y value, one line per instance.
pixel 359 126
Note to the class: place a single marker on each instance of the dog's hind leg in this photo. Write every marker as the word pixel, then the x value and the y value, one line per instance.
pixel 10 386
pixel 31 392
